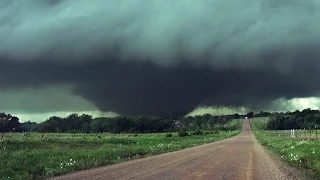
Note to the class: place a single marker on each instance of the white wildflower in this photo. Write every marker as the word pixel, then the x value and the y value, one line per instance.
pixel 301 142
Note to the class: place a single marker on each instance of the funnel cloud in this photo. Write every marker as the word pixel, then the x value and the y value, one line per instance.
pixel 159 57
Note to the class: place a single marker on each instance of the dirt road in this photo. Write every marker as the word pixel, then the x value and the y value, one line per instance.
pixel 239 157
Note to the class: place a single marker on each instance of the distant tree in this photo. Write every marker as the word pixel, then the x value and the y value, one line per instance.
pixel 211 123
pixel 306 112
pixel 250 115
pixel 262 114
pixel 14 124
pixel 236 116
pixel 71 122
pixel 3 125
pixel 86 127
pixel 162 124
pixel 308 125
pixel 54 124
pixel 9 123
pixel 142 123
pixel 198 121
pixel 98 124
pixel 204 120
pixel 3 116
pixel 29 126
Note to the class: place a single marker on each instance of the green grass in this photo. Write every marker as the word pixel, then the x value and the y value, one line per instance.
pixel 236 122
pixel 259 123
pixel 233 124
pixel 56 154
pixel 301 154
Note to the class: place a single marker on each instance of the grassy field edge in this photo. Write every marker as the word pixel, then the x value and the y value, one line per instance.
pixel 302 155
pixel 34 159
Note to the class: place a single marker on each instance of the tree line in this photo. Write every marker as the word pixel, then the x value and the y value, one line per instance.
pixel 305 119
pixel 122 124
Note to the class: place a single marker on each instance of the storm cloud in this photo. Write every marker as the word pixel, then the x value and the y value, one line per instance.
pixel 162 57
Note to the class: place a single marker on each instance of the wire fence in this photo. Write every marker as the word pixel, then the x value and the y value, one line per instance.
pixel 297 133
pixel 75 136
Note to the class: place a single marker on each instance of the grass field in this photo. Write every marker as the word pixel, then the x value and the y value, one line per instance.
pixel 303 134
pixel 38 156
pixel 299 153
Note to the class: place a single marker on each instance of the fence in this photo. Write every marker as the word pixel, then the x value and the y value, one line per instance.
pixel 297 133
pixel 75 136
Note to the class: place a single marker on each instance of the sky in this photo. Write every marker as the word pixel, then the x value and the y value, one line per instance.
pixel 158 57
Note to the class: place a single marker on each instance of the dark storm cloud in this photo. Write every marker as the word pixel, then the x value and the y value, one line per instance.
pixel 135 88
pixel 160 56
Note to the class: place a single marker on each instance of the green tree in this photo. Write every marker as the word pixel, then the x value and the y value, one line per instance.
pixel 97 125
pixel 250 115
pixel 53 124
pixel 211 123
pixel 14 124
pixel 3 125
pixel 29 126
pixel 86 127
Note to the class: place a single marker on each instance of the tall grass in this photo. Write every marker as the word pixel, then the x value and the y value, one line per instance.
pixel 33 158
pixel 301 154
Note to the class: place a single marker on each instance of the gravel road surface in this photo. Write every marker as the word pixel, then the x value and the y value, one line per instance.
pixel 239 157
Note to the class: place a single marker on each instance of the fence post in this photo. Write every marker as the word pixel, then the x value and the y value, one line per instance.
pixel 95 136
pixel 42 135
pixel 74 133
pixel 2 135
pixel 300 133
pixel 310 133
pixel 293 135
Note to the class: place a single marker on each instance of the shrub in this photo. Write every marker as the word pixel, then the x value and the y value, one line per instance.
pixel 27 134
pixel 197 132
pixel 169 135
pixel 232 128
pixel 182 133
